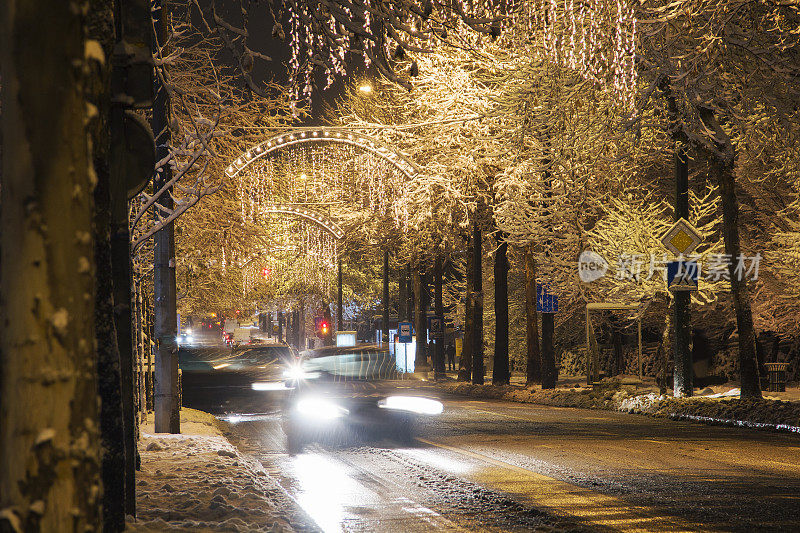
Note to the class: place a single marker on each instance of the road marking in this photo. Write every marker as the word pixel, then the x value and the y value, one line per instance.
pixel 565 498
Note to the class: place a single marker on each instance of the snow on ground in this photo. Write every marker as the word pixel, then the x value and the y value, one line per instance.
pixel 717 405
pixel 197 481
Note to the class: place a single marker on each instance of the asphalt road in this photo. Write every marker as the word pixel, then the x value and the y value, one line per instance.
pixel 499 466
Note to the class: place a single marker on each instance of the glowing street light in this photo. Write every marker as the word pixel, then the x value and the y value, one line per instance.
pixel 366 88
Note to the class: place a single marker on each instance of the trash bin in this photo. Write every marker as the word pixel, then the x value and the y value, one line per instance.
pixel 777 376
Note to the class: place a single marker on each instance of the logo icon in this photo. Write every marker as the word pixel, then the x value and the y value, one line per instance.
pixel 591 266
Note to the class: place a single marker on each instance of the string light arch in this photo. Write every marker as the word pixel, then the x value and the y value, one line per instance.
pixel 316 217
pixel 323 136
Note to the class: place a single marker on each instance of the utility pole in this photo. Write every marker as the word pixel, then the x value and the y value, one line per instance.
pixel 682 378
pixel 682 385
pixel 167 415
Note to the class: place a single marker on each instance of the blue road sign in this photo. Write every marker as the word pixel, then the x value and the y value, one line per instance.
pixel 404 332
pixel 546 302
pixel 682 275
pixel 435 325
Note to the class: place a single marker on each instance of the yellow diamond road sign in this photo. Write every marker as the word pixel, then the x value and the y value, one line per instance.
pixel 682 238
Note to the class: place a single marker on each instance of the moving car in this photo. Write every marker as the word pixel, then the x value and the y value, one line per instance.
pixel 214 377
pixel 340 393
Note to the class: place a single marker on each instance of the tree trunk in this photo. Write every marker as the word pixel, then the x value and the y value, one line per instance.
pixel 477 306
pixel 296 328
pixel 549 371
pixel 662 353
pixel 409 296
pixel 402 297
pixel 301 324
pixel 421 358
pixel 339 303
pixel 533 369
pixel 50 460
pixel 108 356
pixel 108 364
pixel 465 362
pixel 619 360
pixel 142 351
pixel 120 270
pixel 500 371
pixel 725 157
pixel 439 365
pixel 748 367
pixel 385 321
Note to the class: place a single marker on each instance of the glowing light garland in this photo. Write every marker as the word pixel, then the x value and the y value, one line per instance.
pixel 596 38
pixel 322 135
pixel 317 218
pixel 305 174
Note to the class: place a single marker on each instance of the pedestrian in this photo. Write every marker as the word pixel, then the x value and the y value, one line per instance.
pixel 451 356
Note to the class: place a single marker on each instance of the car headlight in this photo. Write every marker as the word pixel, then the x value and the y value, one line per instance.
pixel 296 373
pixel 320 408
pixel 413 404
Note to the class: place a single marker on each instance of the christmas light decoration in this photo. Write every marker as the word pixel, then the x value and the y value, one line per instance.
pixel 293 186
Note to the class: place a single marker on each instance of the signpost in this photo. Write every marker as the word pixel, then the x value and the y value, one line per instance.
pixel 435 326
pixel 404 336
pixel 682 239
pixel 545 301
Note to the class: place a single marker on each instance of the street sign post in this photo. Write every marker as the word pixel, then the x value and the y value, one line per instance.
pixel 404 336
pixel 682 275
pixel 435 326
pixel 545 301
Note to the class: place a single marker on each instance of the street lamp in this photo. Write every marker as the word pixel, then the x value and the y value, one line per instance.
pixel 365 88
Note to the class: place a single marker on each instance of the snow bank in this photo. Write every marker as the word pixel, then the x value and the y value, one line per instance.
pixel 198 481
pixel 628 395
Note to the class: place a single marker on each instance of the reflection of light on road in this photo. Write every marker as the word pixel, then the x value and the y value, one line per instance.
pixel 325 488
pixel 437 459
pixel 268 385
pixel 245 417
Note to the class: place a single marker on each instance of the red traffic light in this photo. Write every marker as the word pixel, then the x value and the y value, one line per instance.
pixel 324 328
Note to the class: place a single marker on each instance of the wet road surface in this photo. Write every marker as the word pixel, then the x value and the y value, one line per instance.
pixel 500 466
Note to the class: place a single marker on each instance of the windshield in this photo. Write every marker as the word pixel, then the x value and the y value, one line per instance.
pixel 350 363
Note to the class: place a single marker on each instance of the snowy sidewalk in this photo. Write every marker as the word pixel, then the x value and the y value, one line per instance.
pixel 197 481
